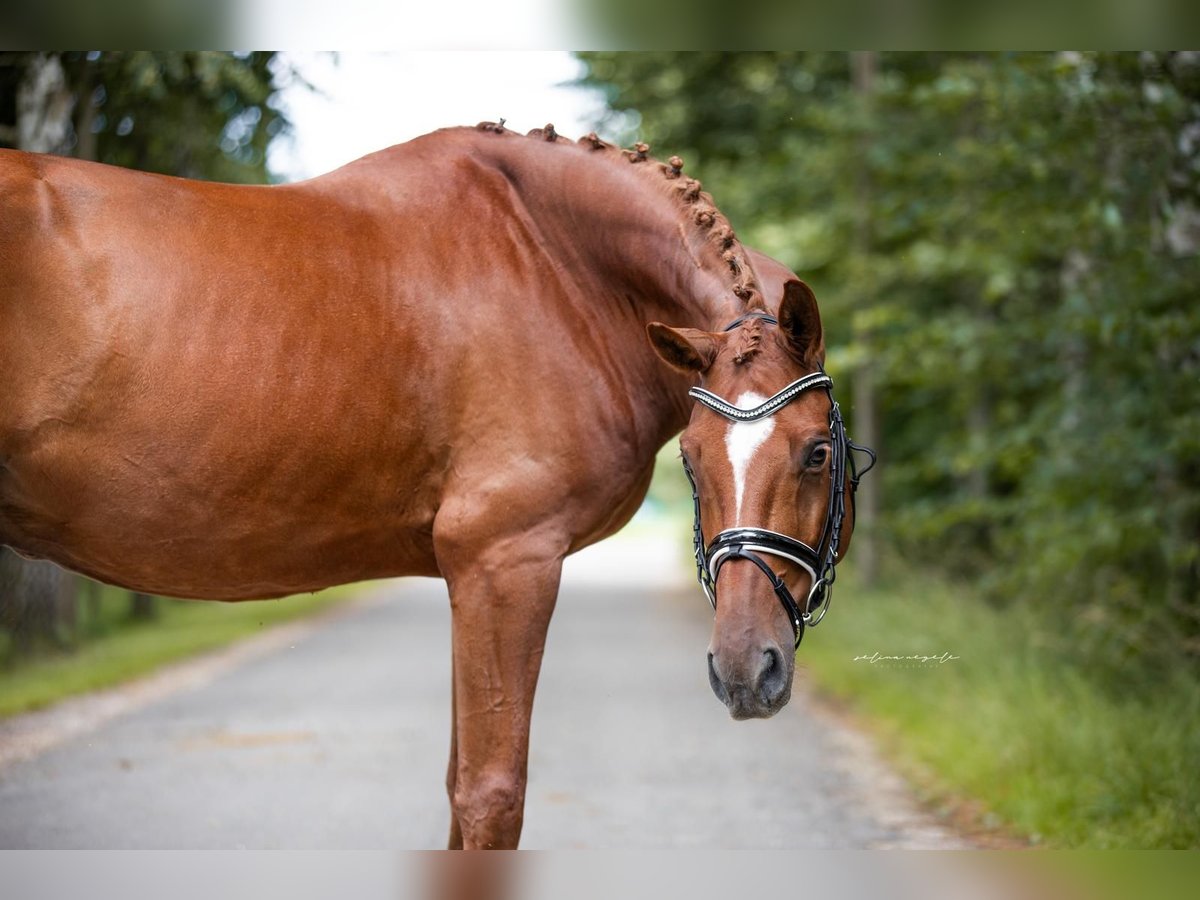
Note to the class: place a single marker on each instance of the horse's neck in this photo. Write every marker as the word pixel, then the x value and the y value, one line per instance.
pixel 620 231
pixel 621 243
pixel 635 252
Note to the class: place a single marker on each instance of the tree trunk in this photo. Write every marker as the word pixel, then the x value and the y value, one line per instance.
pixel 92 592
pixel 864 396
pixel 85 115
pixel 37 601
pixel 44 107
pixel 142 607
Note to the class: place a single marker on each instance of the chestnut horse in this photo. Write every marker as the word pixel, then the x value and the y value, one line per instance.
pixel 432 361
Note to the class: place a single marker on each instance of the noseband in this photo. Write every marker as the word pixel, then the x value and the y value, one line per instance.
pixel 751 543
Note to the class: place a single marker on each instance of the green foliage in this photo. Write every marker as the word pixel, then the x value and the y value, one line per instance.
pixel 1021 721
pixel 199 114
pixel 1011 241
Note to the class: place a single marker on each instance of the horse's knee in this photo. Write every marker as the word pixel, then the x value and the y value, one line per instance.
pixel 489 809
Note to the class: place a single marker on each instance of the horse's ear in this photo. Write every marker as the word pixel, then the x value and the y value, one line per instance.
pixel 687 349
pixel 800 322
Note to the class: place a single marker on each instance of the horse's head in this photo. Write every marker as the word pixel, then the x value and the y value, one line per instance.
pixel 771 468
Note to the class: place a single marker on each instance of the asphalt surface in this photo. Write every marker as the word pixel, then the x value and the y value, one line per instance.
pixel 339 738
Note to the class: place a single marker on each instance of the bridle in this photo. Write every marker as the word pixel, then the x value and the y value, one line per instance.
pixel 750 543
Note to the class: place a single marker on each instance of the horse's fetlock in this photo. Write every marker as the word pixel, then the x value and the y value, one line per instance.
pixel 492 793
pixel 489 805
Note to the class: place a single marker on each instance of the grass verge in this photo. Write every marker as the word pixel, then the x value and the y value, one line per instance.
pixel 125 650
pixel 1019 721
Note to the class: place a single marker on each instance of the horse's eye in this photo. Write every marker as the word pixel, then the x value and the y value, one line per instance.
pixel 817 457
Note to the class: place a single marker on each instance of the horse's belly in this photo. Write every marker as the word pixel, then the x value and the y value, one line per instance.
pixel 186 530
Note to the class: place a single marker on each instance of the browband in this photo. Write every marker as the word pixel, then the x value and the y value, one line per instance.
pixel 767 407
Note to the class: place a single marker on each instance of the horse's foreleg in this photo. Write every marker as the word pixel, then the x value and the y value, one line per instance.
pixel 501 598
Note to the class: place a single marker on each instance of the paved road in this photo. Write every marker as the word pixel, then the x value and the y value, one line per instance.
pixel 338 739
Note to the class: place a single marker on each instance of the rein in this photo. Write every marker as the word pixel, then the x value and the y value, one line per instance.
pixel 750 543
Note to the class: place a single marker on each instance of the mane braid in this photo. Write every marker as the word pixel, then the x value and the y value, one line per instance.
pixel 699 211
pixel 750 336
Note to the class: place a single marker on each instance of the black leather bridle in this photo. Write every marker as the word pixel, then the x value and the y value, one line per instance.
pixel 750 543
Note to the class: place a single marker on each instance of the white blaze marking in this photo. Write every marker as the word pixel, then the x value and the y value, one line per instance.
pixel 742 441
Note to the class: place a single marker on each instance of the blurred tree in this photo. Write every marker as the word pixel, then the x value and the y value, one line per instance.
pixel 1010 242
pixel 38 602
pixel 197 114
pixel 865 398
pixel 142 607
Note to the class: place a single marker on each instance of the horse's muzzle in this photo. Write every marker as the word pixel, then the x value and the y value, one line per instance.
pixel 756 690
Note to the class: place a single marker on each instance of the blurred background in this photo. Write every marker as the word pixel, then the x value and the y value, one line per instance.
pixel 1006 250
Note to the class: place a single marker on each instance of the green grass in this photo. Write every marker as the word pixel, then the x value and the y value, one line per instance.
pixel 1055 748
pixel 116 650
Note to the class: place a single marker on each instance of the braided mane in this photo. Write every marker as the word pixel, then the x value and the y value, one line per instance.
pixel 698 208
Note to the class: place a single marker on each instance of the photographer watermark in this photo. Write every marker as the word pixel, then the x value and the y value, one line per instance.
pixel 906 661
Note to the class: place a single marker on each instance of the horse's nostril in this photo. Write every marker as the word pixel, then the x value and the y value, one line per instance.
pixel 771 664
pixel 772 677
